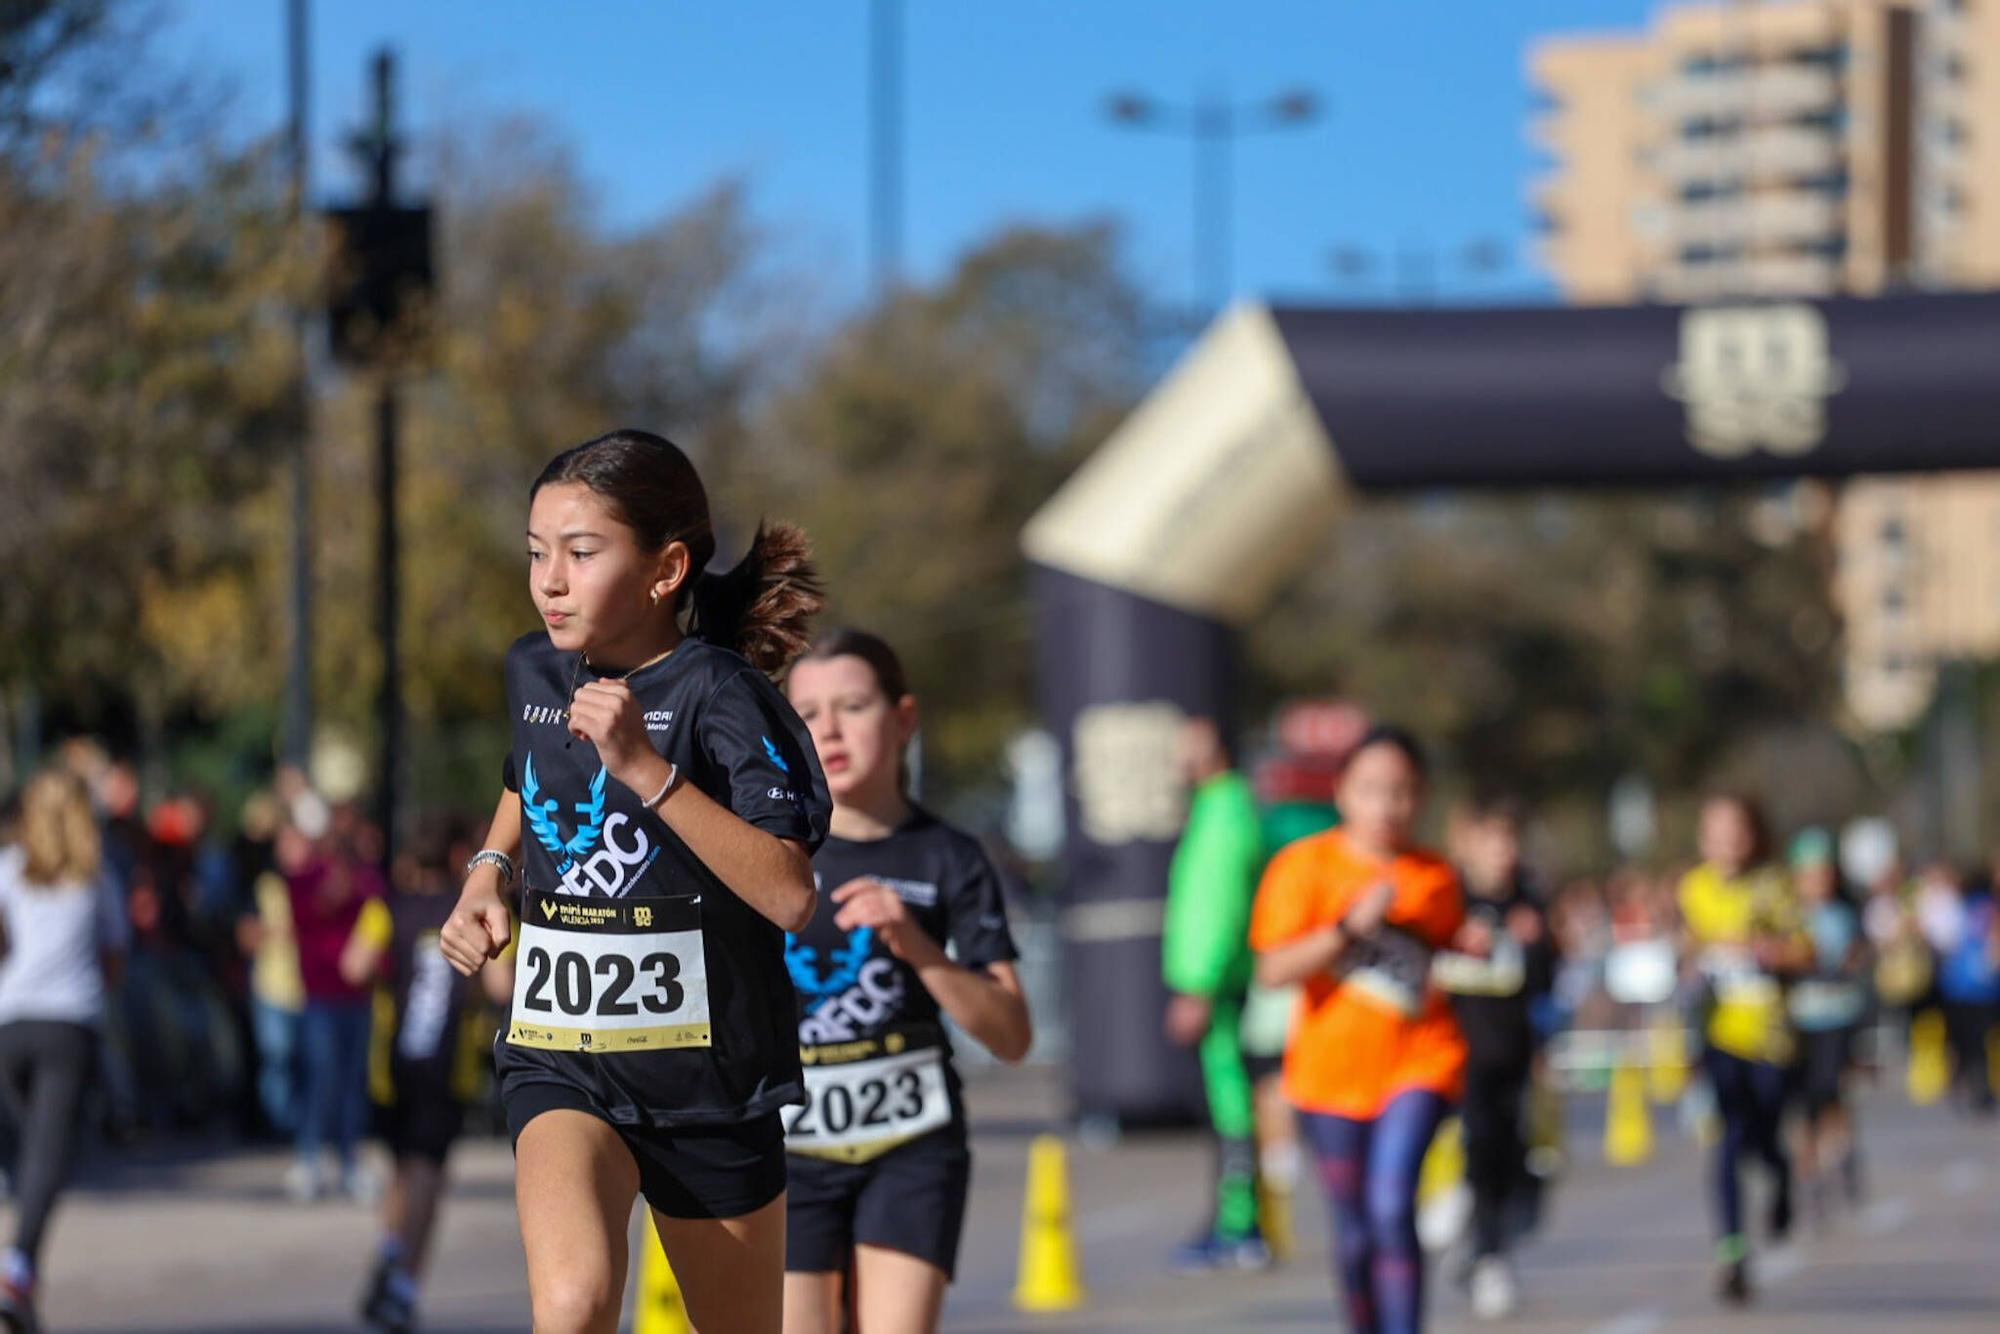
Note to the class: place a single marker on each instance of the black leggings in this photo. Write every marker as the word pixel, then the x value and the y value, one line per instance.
pixel 1966 1025
pixel 1750 1095
pixel 1495 1151
pixel 45 1069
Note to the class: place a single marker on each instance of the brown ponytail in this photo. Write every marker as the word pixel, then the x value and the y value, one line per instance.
pixel 764 607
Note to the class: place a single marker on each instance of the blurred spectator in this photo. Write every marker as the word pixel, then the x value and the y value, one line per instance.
pixel 277 991
pixel 1904 972
pixel 1969 985
pixel 64 931
pixel 327 895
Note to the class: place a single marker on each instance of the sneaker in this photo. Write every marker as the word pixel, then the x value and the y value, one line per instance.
pixel 361 1184
pixel 303 1183
pixel 17 1308
pixel 377 1286
pixel 388 1308
pixel 1493 1293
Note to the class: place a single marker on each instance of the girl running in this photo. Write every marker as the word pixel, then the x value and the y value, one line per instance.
pixel 64 930
pixel 1827 1005
pixel 673 804
pixel 880 1164
pixel 1742 939
pixel 1355 915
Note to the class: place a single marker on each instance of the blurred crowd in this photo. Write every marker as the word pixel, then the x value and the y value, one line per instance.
pixel 227 1013
pixel 1928 941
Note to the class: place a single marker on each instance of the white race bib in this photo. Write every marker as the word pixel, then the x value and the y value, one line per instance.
pixel 1502 973
pixel 1733 972
pixel 857 1110
pixel 1392 967
pixel 610 975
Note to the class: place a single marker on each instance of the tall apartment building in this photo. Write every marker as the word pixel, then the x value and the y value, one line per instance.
pixel 1803 147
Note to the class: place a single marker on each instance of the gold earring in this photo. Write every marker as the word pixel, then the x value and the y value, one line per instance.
pixel 655 595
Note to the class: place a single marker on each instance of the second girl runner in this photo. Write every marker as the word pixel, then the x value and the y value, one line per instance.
pixel 672 803
pixel 1356 916
pixel 911 927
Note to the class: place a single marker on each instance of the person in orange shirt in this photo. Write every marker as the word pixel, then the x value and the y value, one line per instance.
pixel 1354 916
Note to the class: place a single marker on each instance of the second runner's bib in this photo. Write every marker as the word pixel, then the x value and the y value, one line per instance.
pixel 865 1098
pixel 610 975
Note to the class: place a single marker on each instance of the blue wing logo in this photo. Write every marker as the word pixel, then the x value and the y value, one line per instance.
pixel 802 962
pixel 541 817
pixel 771 751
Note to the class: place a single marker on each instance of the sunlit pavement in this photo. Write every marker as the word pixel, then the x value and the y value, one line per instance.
pixel 210 1243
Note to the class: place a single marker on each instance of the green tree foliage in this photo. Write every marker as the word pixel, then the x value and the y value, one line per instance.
pixel 919 442
pixel 1554 643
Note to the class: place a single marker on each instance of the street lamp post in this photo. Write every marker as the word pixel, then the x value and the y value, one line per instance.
pixel 296 746
pixel 1213 124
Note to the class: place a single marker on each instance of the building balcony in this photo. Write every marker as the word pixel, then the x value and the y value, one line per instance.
pixel 1731 275
pixel 1765 92
pixel 1778 218
pixel 1758 153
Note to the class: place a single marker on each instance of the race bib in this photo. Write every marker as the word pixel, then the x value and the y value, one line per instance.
pixel 1736 978
pixel 860 1104
pixel 610 975
pixel 1392 967
pixel 1819 1002
pixel 1503 973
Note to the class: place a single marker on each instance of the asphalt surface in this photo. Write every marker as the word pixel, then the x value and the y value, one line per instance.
pixel 207 1242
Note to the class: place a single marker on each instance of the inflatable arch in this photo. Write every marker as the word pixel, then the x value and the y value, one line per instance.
pixel 1180 528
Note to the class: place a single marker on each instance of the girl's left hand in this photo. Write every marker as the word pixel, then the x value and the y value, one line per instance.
pixel 865 902
pixel 605 714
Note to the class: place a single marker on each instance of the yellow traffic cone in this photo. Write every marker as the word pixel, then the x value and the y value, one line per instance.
pixel 1930 1067
pixel 1628 1124
pixel 1274 1217
pixel 1444 1162
pixel 1667 1069
pixel 659 1309
pixel 1049 1279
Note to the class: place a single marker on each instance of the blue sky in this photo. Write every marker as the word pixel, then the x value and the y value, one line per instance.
pixel 1421 146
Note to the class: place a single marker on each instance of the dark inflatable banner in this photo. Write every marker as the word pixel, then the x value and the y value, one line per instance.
pixel 1120 675
pixel 1195 510
pixel 1637 394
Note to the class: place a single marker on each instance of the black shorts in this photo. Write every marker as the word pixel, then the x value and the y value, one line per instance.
pixel 697 1172
pixel 911 1199
pixel 423 1122
pixel 1823 1060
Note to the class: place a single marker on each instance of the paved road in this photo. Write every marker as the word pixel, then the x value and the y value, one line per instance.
pixel 207 1243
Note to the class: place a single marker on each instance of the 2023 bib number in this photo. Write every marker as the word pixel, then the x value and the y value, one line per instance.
pixel 873 1103
pixel 851 1109
pixel 562 982
pixel 610 976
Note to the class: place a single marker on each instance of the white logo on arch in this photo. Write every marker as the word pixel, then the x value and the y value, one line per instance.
pixel 1754 377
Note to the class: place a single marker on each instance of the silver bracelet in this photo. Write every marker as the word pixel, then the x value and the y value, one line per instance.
pixel 652 803
pixel 493 857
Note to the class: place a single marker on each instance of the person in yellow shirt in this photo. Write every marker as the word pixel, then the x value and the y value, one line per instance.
pixel 1742 938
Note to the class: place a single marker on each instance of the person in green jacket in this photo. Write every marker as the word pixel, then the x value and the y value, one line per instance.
pixel 1206 962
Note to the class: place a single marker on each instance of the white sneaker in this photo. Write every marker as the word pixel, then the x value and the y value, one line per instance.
pixel 303 1183
pixel 1493 1295
pixel 361 1184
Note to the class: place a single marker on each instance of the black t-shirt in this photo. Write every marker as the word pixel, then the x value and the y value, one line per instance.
pixel 431 998
pixel 852 991
pixel 1493 997
pixel 584 833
